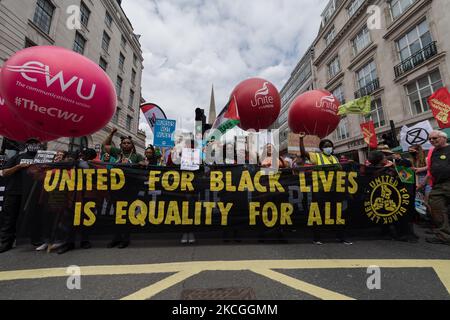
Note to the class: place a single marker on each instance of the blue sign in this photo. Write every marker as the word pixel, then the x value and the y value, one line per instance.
pixel 163 133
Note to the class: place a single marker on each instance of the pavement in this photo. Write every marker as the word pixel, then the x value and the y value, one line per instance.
pixel 166 270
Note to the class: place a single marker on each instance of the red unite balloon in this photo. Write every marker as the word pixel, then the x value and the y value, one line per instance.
pixel 258 102
pixel 12 127
pixel 58 91
pixel 315 113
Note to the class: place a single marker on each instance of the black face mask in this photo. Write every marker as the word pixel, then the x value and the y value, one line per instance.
pixel 33 148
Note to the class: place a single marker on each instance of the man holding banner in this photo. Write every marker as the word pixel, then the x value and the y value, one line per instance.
pixel 17 190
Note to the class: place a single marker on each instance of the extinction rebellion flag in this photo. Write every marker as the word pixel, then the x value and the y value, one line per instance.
pixel 370 136
pixel 440 105
pixel 227 120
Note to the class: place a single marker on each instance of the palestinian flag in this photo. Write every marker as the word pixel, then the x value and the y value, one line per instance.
pixel 406 175
pixel 227 120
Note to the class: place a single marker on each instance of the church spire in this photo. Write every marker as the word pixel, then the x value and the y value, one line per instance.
pixel 212 108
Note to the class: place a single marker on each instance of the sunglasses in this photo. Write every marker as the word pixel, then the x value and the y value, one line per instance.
pixel 436 138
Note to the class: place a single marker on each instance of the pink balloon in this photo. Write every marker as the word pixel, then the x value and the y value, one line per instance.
pixel 12 127
pixel 315 113
pixel 58 91
pixel 258 102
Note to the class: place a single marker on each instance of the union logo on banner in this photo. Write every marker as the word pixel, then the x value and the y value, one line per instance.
pixel 440 105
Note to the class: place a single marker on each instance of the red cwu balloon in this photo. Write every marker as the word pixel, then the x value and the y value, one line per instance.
pixel 58 91
pixel 12 127
pixel 315 113
pixel 258 102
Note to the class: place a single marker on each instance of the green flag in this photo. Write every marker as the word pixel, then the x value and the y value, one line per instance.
pixel 406 175
pixel 359 106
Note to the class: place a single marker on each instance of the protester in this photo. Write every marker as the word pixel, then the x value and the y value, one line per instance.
pixel 267 162
pixel 18 189
pixel 404 230
pixel 126 154
pixel 85 156
pixel 322 158
pixel 53 210
pixel 151 159
pixel 60 156
pixel 440 195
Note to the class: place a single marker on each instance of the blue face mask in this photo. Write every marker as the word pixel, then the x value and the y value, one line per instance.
pixel 328 151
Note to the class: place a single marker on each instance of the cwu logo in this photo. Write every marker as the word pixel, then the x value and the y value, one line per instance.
pixel 30 69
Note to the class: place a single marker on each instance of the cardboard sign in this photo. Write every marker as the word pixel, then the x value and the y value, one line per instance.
pixel 190 159
pixel 311 144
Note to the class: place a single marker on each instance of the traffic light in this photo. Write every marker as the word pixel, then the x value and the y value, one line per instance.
pixel 200 122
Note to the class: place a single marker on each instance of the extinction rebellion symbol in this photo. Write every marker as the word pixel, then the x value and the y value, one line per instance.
pixel 417 136
pixel 386 200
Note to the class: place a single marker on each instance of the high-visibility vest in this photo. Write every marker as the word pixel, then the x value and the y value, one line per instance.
pixel 323 160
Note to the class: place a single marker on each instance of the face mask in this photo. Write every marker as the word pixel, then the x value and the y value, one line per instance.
pixel 33 148
pixel 328 151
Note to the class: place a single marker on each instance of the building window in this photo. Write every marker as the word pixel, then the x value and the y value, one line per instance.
pixel 103 64
pixel 339 94
pixel 131 98
pixel 354 6
pixel 420 90
pixel 119 83
pixel 135 59
pixel 414 41
pixel 79 44
pixel 85 14
pixel 361 41
pixel 330 36
pixel 367 75
pixel 43 15
pixel 328 12
pixel 105 41
pixel 334 67
pixel 342 131
pixel 115 119
pixel 78 144
pixel 108 19
pixel 376 114
pixel 133 76
pixel 399 6
pixel 121 61
pixel 129 122
pixel 123 42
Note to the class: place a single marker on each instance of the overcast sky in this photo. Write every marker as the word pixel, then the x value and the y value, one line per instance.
pixel 189 45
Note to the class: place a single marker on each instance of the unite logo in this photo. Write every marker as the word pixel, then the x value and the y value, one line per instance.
pixel 261 97
pixel 328 104
pixel 36 67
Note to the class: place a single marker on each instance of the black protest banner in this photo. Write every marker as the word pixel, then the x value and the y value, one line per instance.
pixel 105 198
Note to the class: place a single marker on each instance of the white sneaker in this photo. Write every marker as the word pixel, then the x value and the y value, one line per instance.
pixel 184 238
pixel 191 238
pixel 42 247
